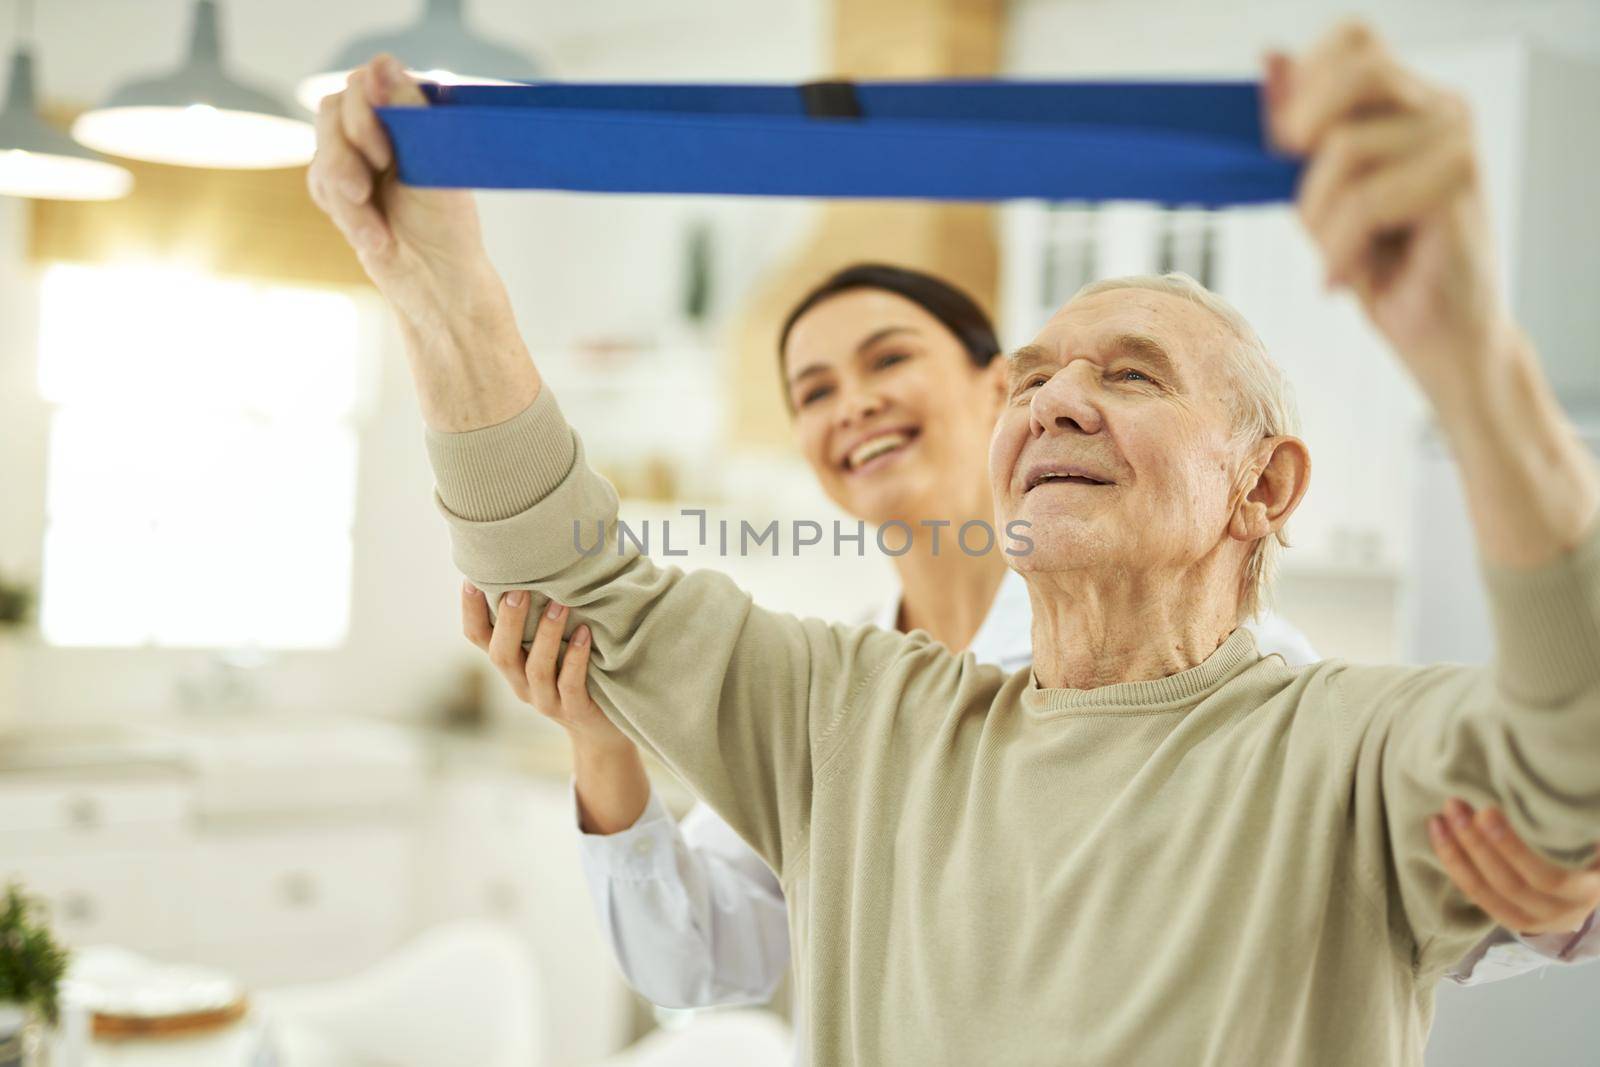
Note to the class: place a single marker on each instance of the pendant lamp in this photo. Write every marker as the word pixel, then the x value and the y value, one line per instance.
pixel 199 115
pixel 438 47
pixel 36 159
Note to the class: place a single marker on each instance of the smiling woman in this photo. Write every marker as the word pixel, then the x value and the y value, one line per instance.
pixel 893 381
pixel 956 311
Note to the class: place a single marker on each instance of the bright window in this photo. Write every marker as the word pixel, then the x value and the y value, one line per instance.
pixel 202 464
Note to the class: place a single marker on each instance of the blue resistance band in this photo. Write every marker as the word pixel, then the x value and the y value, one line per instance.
pixel 1173 143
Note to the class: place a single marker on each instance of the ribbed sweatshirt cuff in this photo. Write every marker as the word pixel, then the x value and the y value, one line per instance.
pixel 1547 625
pixel 498 471
pixel 641 852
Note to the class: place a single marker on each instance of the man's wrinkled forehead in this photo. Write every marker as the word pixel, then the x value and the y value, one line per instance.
pixel 1168 332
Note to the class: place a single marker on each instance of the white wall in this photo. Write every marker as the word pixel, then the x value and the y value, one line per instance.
pixel 1087 38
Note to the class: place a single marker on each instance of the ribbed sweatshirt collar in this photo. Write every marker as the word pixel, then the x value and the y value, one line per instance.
pixel 1156 694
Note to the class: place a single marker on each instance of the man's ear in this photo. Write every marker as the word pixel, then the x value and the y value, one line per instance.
pixel 1274 481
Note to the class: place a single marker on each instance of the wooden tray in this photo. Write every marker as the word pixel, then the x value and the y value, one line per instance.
pixel 194 1022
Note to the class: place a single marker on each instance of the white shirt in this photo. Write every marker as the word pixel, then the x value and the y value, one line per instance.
pixel 696 918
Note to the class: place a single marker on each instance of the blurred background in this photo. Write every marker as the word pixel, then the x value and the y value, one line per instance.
pixel 239 725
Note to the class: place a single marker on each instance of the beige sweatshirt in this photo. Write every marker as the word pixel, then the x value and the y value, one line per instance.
pixel 1226 866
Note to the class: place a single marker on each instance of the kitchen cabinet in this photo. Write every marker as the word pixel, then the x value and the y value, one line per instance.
pixel 503 846
pixel 1539 148
pixel 130 863
pixel 119 895
pixel 224 853
pixel 300 903
pixel 1447 618
pixel 84 809
pixel 97 848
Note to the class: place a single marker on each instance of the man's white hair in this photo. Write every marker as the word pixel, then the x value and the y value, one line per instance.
pixel 1263 404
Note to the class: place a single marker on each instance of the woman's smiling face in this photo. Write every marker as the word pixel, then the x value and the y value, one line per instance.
pixel 890 410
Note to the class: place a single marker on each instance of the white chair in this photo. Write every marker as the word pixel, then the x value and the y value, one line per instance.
pixel 464 994
pixel 747 1037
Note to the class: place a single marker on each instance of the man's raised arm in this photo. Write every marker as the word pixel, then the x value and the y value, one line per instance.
pixel 1392 194
pixel 513 487
pixel 1394 197
pixel 424 250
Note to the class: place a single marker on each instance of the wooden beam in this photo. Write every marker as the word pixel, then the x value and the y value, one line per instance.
pixel 876 39
pixel 256 223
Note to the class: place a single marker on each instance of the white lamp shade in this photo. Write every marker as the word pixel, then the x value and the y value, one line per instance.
pixel 312 89
pixel 41 162
pixel 198 116
pixel 198 135
pixel 46 176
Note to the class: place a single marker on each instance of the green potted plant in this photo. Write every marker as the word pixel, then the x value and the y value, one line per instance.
pixel 31 966
pixel 16 609
pixel 16 603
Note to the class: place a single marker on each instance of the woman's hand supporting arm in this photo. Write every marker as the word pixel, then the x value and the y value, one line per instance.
pixel 694 918
pixel 611 784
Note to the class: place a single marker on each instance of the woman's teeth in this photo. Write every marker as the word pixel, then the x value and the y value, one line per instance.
pixel 876 447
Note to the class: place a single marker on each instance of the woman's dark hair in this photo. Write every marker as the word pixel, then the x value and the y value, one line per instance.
pixel 954 309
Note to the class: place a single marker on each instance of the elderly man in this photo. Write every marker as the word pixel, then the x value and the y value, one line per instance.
pixel 970 856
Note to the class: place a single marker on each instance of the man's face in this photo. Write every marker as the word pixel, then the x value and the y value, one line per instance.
pixel 1114 441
